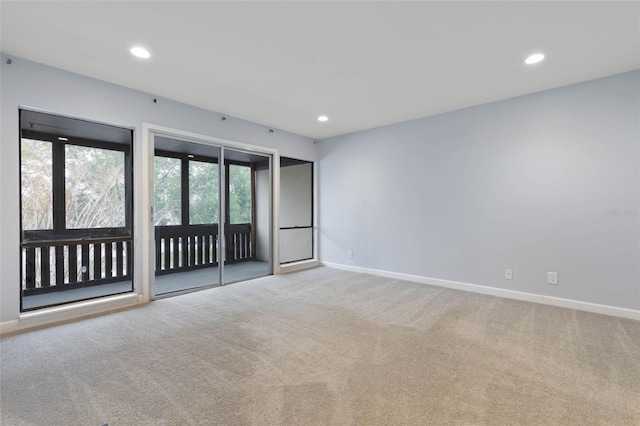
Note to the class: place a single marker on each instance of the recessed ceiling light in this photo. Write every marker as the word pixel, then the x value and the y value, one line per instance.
pixel 190 155
pixel 60 138
pixel 534 59
pixel 140 52
pixel 323 118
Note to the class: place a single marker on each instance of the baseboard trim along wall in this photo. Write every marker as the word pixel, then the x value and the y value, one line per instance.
pixel 70 312
pixel 499 292
pixel 298 266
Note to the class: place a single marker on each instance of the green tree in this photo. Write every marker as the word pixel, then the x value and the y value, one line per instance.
pixel 239 194
pixel 36 181
pixel 167 191
pixel 203 192
pixel 94 188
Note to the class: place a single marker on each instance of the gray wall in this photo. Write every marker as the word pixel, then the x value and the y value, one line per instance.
pixel 523 184
pixel 30 84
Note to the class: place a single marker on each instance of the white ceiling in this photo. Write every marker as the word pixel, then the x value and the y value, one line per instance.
pixel 364 64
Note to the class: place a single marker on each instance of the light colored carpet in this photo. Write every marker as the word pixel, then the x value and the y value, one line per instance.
pixel 326 347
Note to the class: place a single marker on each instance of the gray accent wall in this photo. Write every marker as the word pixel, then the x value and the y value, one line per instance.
pixel 543 182
pixel 26 83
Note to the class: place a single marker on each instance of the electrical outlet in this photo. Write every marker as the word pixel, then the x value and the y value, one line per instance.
pixel 552 277
pixel 349 253
pixel 508 274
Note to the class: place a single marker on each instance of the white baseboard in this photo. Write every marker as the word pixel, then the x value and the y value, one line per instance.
pixel 70 312
pixel 499 292
pixel 298 266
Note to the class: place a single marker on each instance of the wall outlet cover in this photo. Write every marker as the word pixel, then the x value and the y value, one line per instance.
pixel 508 274
pixel 552 277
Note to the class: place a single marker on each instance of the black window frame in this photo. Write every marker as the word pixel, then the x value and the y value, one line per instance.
pixel 184 181
pixel 59 230
pixel 62 131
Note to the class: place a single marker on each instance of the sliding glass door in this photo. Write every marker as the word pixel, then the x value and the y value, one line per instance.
pixel 212 215
pixel 248 217
pixel 187 204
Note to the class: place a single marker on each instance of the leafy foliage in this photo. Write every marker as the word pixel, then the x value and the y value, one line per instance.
pixel 94 188
pixel 95 193
pixel 203 192
pixel 36 179
pixel 167 191
pixel 239 194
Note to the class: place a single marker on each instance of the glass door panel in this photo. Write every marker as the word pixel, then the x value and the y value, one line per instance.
pixel 187 204
pixel 296 210
pixel 248 216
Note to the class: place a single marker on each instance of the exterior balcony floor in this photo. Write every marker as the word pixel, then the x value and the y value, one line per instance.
pixel 164 284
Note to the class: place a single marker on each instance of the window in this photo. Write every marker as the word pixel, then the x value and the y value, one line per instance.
pixel 76 209
pixel 94 187
pixel 168 191
pixel 239 194
pixel 190 197
pixel 36 181
pixel 203 192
